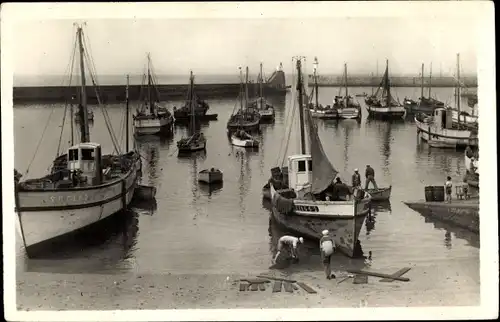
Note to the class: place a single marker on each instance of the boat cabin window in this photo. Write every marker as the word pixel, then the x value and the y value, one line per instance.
pixel 309 165
pixel 88 154
pixel 302 166
pixel 73 155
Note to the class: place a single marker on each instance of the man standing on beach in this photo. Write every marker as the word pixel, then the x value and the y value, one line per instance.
pixel 327 247
pixel 370 177
pixel 291 243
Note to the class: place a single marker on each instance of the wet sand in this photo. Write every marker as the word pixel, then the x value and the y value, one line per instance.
pixel 433 285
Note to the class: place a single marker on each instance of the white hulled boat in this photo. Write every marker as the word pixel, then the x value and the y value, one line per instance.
pixel 83 186
pixel 303 207
pixel 346 106
pixel 316 109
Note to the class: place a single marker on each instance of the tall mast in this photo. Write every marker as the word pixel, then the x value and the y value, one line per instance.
pixel 430 80
pixel 316 92
pixel 85 136
pixel 458 86
pixel 387 84
pixel 422 82
pixel 301 108
pixel 372 83
pixel 345 83
pixel 149 87
pixel 71 124
pixel 260 81
pixel 126 117
pixel 241 95
pixel 246 90
pixel 191 99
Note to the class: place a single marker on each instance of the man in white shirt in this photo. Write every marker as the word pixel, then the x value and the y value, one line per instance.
pixel 327 247
pixel 289 242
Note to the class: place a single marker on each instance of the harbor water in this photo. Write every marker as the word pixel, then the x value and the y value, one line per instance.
pixel 227 229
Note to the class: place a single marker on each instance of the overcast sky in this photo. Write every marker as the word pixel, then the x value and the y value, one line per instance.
pixel 220 45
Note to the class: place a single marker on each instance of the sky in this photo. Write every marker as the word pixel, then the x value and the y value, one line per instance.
pixel 220 45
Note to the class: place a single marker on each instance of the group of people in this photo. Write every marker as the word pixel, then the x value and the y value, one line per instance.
pixel 369 175
pixel 326 246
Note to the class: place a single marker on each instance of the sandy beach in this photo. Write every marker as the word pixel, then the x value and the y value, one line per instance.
pixel 435 285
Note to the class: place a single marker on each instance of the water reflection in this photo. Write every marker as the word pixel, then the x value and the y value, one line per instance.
pixel 461 233
pixel 102 246
pixel 243 156
pixel 381 206
pixel 210 189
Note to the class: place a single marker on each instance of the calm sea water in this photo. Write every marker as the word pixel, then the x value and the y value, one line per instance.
pixel 228 229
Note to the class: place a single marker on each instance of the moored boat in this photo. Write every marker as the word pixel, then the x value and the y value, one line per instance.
pixel 346 106
pixel 83 186
pixel 316 109
pixel 210 176
pixel 152 118
pixel 305 206
pixel 243 139
pixel 196 141
pixel 246 118
pixel 262 106
pixel 424 104
pixel 382 105
pixel 380 194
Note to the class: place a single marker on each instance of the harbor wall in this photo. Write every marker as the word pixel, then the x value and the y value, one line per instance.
pixel 116 93
pixel 396 81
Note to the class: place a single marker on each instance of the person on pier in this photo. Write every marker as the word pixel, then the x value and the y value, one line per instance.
pixel 448 187
pixel 370 177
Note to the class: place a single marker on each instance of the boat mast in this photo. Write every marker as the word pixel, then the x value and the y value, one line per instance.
pixel 260 81
pixel 422 82
pixel 458 87
pixel 126 116
pixel 241 96
pixel 71 118
pixel 191 99
pixel 387 85
pixel 84 128
pixel 316 81
pixel 149 86
pixel 373 81
pixel 430 80
pixel 246 90
pixel 301 111
pixel 345 83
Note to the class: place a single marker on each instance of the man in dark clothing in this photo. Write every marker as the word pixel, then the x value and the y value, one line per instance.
pixel 340 190
pixel 356 179
pixel 370 177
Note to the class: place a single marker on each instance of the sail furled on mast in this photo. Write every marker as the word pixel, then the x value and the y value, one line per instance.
pixel 323 172
pixel 383 91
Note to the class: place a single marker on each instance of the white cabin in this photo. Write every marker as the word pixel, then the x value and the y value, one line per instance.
pixel 86 157
pixel 299 171
pixel 443 118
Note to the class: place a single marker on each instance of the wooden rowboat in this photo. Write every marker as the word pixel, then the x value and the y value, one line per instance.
pixel 380 194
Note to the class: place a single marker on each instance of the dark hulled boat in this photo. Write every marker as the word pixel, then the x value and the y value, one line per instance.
pixel 246 118
pixel 265 109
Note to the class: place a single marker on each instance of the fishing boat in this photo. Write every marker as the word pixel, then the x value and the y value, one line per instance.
pixel 304 207
pixel 83 186
pixel 245 118
pixel 380 194
pixel 183 114
pixel 317 110
pixel 262 106
pixel 243 139
pixel 151 118
pixel 346 106
pixel 210 176
pixel 382 104
pixel 196 141
pixel 439 130
pixel 425 104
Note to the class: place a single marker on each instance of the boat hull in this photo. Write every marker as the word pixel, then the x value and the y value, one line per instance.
pixel 187 118
pixel 248 143
pixel 450 138
pixel 210 177
pixel 319 114
pixel 152 126
pixel 343 219
pixel 394 112
pixel 266 115
pixel 381 194
pixel 49 214
pixel 462 213
pixel 349 113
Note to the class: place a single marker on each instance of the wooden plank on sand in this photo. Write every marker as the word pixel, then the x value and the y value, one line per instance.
pixel 277 287
pixel 277 278
pixel 360 279
pixel 288 287
pixel 307 288
pixel 356 271
pixel 255 280
pixel 399 273
pixel 254 287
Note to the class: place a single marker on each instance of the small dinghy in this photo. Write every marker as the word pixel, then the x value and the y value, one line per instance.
pixel 243 139
pixel 210 176
pixel 380 194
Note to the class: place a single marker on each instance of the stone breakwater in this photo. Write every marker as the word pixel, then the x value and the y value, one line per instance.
pixel 433 284
pixel 396 81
